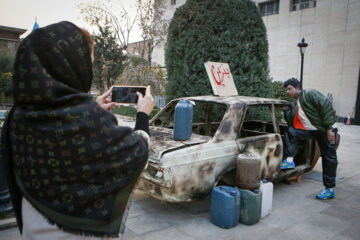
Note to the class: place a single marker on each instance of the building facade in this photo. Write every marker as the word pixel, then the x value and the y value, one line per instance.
pixel 10 38
pixel 331 28
pixel 137 48
pixel 332 59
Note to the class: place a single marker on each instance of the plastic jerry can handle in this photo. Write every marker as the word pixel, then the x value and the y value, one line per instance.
pixel 224 189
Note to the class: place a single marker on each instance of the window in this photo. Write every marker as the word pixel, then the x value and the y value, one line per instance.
pixel 269 8
pixel 207 117
pixel 173 2
pixel 302 4
pixel 258 121
pixel 7 45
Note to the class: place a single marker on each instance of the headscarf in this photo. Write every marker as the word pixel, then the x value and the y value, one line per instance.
pixel 64 153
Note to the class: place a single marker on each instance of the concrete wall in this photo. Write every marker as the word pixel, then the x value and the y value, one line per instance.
pixel 332 59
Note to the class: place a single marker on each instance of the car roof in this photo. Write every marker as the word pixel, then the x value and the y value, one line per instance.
pixel 237 99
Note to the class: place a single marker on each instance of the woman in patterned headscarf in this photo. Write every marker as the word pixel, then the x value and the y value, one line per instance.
pixel 70 168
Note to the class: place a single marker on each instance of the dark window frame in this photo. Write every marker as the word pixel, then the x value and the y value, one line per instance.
pixel 297 5
pixel 269 8
pixel 271 121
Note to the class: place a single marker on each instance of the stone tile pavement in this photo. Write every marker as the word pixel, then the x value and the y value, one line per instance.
pixel 296 214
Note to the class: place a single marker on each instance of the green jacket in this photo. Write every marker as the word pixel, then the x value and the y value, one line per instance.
pixel 317 108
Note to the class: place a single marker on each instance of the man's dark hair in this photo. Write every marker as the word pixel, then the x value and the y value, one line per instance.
pixel 293 82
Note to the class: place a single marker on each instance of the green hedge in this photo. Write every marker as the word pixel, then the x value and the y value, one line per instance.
pixel 230 31
pixel 279 92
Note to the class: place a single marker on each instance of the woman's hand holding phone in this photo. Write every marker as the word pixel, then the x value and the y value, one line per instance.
pixel 105 102
pixel 145 103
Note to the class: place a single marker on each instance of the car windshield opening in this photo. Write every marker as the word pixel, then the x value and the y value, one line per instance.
pixel 207 117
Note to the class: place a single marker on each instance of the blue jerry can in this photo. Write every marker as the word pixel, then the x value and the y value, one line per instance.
pixel 183 120
pixel 225 206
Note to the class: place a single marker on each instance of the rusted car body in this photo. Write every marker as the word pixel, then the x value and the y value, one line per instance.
pixel 223 128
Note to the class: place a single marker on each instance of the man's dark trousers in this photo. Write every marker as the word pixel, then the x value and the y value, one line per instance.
pixel 327 149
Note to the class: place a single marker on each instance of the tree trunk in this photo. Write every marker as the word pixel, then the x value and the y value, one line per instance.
pixel 143 49
pixel 150 50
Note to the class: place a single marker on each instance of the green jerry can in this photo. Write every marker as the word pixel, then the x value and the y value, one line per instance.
pixel 250 206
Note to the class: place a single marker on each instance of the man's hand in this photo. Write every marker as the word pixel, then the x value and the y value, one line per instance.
pixel 331 135
pixel 145 103
pixel 105 102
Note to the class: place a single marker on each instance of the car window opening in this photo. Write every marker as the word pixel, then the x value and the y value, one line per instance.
pixel 257 121
pixel 207 117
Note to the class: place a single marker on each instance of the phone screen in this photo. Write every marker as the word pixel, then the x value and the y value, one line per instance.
pixel 126 94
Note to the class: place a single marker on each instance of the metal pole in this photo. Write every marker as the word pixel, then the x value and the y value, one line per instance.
pixel 302 46
pixel 301 72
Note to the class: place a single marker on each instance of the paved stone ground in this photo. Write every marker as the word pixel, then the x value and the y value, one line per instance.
pixel 296 214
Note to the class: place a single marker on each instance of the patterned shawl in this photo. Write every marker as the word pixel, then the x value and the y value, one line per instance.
pixel 64 153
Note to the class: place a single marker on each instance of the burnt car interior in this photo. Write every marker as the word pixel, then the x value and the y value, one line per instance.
pixel 260 119
pixel 206 117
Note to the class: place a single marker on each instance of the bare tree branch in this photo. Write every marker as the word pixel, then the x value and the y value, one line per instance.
pixel 97 12
pixel 153 28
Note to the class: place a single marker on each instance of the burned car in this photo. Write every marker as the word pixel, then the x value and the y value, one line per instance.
pixel 222 128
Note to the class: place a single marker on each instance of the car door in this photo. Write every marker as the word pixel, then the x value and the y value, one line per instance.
pixel 259 135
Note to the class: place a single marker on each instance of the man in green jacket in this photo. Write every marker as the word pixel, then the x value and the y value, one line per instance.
pixel 311 116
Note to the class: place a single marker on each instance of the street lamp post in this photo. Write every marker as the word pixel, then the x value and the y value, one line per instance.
pixel 302 46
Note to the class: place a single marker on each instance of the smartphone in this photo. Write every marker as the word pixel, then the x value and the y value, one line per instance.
pixel 126 94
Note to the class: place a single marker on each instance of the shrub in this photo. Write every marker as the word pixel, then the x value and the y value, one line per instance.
pixel 6 87
pixel 210 30
pixel 138 73
pixel 7 59
pixel 279 92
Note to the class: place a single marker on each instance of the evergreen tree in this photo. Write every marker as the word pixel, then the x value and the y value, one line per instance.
pixel 108 58
pixel 230 31
pixel 6 87
pixel 279 92
pixel 7 59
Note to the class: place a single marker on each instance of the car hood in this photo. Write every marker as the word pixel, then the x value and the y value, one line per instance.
pixel 162 141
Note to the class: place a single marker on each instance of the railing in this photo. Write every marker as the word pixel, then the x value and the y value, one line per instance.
pixel 159 101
